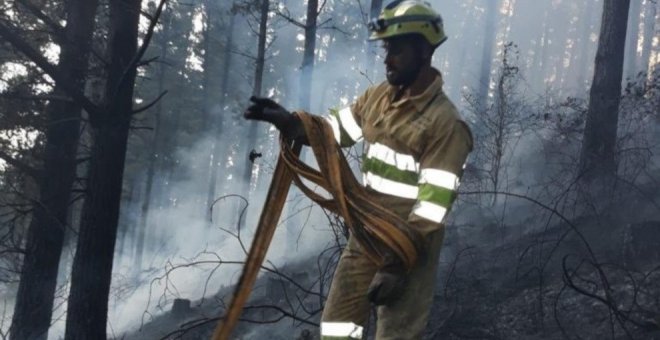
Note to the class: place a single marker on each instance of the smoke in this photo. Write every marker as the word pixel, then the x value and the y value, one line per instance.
pixel 183 253
pixel 178 233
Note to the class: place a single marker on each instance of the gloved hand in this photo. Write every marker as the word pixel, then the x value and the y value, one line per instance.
pixel 267 110
pixel 388 285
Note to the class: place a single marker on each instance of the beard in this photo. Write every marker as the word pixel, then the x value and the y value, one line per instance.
pixel 403 77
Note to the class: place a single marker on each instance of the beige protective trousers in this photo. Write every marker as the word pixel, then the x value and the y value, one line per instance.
pixel 347 308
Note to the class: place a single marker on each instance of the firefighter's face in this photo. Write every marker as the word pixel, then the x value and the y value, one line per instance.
pixel 402 60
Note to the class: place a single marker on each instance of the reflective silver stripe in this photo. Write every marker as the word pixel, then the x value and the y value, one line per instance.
pixel 335 128
pixel 390 187
pixel 440 178
pixel 341 329
pixel 430 211
pixel 349 124
pixel 400 160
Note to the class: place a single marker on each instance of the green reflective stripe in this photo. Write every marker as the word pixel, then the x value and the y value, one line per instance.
pixel 344 138
pixel 388 171
pixel 437 195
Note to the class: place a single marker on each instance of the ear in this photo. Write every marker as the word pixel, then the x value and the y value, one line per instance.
pixel 427 52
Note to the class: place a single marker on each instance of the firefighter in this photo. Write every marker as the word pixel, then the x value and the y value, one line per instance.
pixel 416 145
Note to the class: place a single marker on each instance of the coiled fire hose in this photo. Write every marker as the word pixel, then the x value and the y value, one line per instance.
pixel 382 234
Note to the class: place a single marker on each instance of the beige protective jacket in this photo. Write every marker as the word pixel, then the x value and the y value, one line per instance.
pixel 415 149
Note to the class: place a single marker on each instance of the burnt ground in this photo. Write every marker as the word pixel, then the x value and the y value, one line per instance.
pixel 597 277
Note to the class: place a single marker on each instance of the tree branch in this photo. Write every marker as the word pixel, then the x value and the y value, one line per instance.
pixel 148 106
pixel 320 9
pixel 244 54
pixel 20 165
pixel 147 61
pixel 333 27
pixel 290 19
pixel 13 96
pixel 145 42
pixel 36 11
pixel 35 56
pixel 324 22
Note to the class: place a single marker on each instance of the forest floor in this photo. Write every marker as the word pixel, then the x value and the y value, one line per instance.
pixel 560 292
pixel 595 277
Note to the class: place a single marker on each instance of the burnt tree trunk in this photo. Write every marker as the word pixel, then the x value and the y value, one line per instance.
pixel 598 156
pixel 461 73
pixel 34 301
pixel 540 60
pixel 308 55
pixel 216 150
pixel 207 100
pixel 631 56
pixel 649 32
pixel 253 127
pixel 210 113
pixel 92 266
pixel 261 48
pixel 565 67
pixel 155 148
pixel 126 230
pixel 374 11
pixel 487 54
pixel 581 61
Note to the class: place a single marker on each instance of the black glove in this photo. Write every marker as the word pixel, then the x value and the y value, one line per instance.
pixel 388 285
pixel 267 110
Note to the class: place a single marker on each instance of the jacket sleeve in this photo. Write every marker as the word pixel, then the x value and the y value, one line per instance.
pixel 347 122
pixel 441 167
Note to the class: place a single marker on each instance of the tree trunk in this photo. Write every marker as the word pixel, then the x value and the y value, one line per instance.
pixel 305 97
pixel 598 147
pixel 155 148
pixel 572 34
pixel 487 53
pixel 540 62
pixel 582 62
pixel 461 73
pixel 34 301
pixel 261 48
pixel 92 265
pixel 631 56
pixel 374 11
pixel 126 230
pixel 649 32
pixel 308 55
pixel 209 89
pixel 253 127
pixel 164 191
pixel 216 150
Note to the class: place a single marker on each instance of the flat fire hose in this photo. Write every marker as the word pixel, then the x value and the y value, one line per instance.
pixel 384 235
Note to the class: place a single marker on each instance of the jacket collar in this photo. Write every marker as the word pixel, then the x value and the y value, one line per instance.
pixel 421 100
